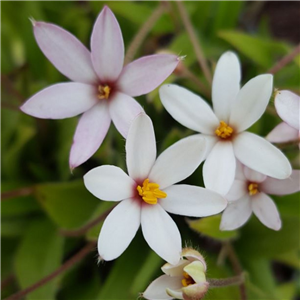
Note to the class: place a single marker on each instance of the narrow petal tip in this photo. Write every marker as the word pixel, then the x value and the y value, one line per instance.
pixel 33 21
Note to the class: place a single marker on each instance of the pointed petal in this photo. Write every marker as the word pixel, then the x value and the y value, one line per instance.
pixel 147 73
pixel 123 109
pixel 90 132
pixel 192 201
pixel 237 190
pixel 219 168
pixel 282 187
pixel 266 211
pixel 188 108
pixel 288 108
pixel 251 102
pixel 65 51
pixel 118 229
pixel 283 133
pixel 254 176
pixel 107 46
pixel 161 233
pixel 109 183
pixel 140 147
pixel 236 214
pixel 178 161
pixel 60 101
pixel 258 154
pixel 226 84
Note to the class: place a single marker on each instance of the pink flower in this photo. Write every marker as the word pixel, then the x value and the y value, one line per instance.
pixel 102 89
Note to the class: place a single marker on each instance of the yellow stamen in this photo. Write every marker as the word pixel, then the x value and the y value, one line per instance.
pixel 224 131
pixel 150 192
pixel 104 91
pixel 187 279
pixel 253 189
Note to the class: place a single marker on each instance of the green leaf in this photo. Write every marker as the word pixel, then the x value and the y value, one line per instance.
pixel 291 258
pixel 12 227
pixel 287 291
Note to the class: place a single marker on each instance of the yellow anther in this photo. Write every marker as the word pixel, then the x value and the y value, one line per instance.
pixel 187 279
pixel 224 131
pixel 150 192
pixel 104 92
pixel 253 189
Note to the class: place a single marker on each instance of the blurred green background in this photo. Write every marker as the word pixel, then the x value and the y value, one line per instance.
pixel 41 198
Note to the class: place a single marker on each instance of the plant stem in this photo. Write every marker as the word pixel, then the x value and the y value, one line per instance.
pixel 7 281
pixel 25 191
pixel 224 282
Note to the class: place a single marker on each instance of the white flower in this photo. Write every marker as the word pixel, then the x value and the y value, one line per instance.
pixel 149 191
pixel 249 194
pixel 235 110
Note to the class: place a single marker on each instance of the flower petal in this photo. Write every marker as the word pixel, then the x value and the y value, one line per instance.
pixel 195 291
pixel 254 176
pixel 60 101
pixel 288 108
pixel 118 229
pixel 188 109
pixel 123 109
pixel 283 133
pixel 236 214
pixel 175 270
pixel 193 201
pixel 282 187
pixel 251 102
pixel 90 132
pixel 226 84
pixel 258 154
pixel 107 46
pixel 266 211
pixel 237 190
pixel 161 233
pixel 178 161
pixel 210 141
pixel 219 168
pixel 109 183
pixel 65 51
pixel 140 147
pixel 147 73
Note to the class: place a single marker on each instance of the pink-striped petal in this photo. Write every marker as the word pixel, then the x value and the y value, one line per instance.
pixel 90 132
pixel 283 133
pixel 66 52
pixel 254 176
pixel 107 46
pixel 147 73
pixel 60 101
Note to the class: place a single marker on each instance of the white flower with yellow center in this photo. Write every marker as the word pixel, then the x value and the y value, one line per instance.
pixel 149 191
pixel 235 110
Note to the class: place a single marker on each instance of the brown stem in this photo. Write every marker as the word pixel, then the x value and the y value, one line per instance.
pixel 193 37
pixel 69 263
pixel 7 281
pixel 26 191
pixel 224 282
pixel 285 60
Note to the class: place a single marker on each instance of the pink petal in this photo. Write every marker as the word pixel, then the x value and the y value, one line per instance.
pixel 65 52
pixel 237 190
pixel 266 211
pixel 119 229
pixel 283 133
pixel 60 101
pixel 107 46
pixel 161 233
pixel 282 187
pixel 90 132
pixel 254 176
pixel 147 73
pixel 123 109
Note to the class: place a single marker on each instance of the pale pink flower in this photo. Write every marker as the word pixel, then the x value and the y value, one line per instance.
pixel 249 193
pixel 149 191
pixel 102 89
pixel 235 110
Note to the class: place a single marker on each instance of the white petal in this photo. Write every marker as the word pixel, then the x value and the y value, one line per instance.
pixel 239 171
pixel 226 84
pixel 210 141
pixel 192 201
pixel 90 132
pixel 283 133
pixel 123 109
pixel 109 183
pixel 236 214
pixel 237 190
pixel 258 154
pixel 161 233
pixel 282 187
pixel 118 229
pixel 288 108
pixel 254 176
pixel 175 270
pixel 266 211
pixel 188 108
pixel 140 147
pixel 251 102
pixel 219 168
pixel 178 161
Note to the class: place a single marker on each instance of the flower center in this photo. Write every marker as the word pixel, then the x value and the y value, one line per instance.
pixel 103 92
pixel 150 192
pixel 224 131
pixel 253 189
pixel 187 279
